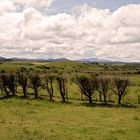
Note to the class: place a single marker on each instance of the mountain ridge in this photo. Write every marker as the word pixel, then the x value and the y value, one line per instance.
pixel 84 60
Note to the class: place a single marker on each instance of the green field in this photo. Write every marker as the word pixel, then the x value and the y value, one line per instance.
pixel 34 119
pixel 40 119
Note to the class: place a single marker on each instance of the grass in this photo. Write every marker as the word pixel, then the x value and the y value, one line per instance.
pixel 41 119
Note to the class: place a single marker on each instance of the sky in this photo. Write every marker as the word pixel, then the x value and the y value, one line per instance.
pixel 67 5
pixel 73 29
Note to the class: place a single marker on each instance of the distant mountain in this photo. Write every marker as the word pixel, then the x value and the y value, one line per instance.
pixel 87 60
pixel 38 60
pixel 93 60
pixel 2 59
pixel 41 60
pixel 58 60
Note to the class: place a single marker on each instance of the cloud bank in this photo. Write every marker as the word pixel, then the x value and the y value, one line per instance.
pixel 33 3
pixel 84 33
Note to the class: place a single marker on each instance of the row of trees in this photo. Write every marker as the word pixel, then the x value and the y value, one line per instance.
pixel 10 81
pixel 103 84
pixel 88 85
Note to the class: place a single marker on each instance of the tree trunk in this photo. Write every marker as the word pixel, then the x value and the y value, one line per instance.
pixel 7 93
pixel 51 97
pixel 13 91
pixel 51 90
pixel 24 92
pixel 63 97
pixel 100 97
pixel 119 99
pixel 36 93
pixel 105 101
pixel 90 99
pixel 67 95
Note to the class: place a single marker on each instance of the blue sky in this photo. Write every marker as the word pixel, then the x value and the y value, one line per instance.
pixel 67 5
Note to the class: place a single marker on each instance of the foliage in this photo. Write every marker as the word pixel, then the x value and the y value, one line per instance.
pixel 62 81
pixel 103 85
pixel 87 86
pixel 23 82
pixel 49 79
pixel 8 83
pixel 121 85
pixel 35 83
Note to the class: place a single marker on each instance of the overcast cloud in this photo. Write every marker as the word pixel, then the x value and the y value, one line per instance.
pixel 27 31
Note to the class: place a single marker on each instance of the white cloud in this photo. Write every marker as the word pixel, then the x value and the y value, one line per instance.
pixel 6 6
pixel 34 3
pixel 88 32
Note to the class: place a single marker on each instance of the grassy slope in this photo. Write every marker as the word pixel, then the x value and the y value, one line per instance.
pixel 40 119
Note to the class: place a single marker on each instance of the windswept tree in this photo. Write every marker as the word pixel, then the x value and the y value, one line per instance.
pixel 121 85
pixel 49 85
pixel 4 84
pixel 87 86
pixel 74 79
pixel 103 84
pixel 23 82
pixel 13 83
pixel 9 83
pixel 62 85
pixel 35 83
pixel 1 87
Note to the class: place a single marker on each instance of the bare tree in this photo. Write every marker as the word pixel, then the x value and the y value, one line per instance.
pixel 23 82
pixel 1 87
pixel 74 79
pixel 9 83
pixel 35 83
pixel 4 84
pixel 87 86
pixel 62 81
pixel 103 87
pixel 121 85
pixel 13 83
pixel 49 85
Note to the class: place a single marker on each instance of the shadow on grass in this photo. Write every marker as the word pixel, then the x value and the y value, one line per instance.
pixel 13 97
pixel 109 105
pixel 68 102
pixel 58 97
pixel 40 98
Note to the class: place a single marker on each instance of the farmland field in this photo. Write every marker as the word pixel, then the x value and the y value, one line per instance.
pixel 33 119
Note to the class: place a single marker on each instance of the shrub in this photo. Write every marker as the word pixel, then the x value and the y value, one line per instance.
pixel 103 87
pixel 9 83
pixel 49 85
pixel 35 83
pixel 87 86
pixel 121 85
pixel 22 80
pixel 62 86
